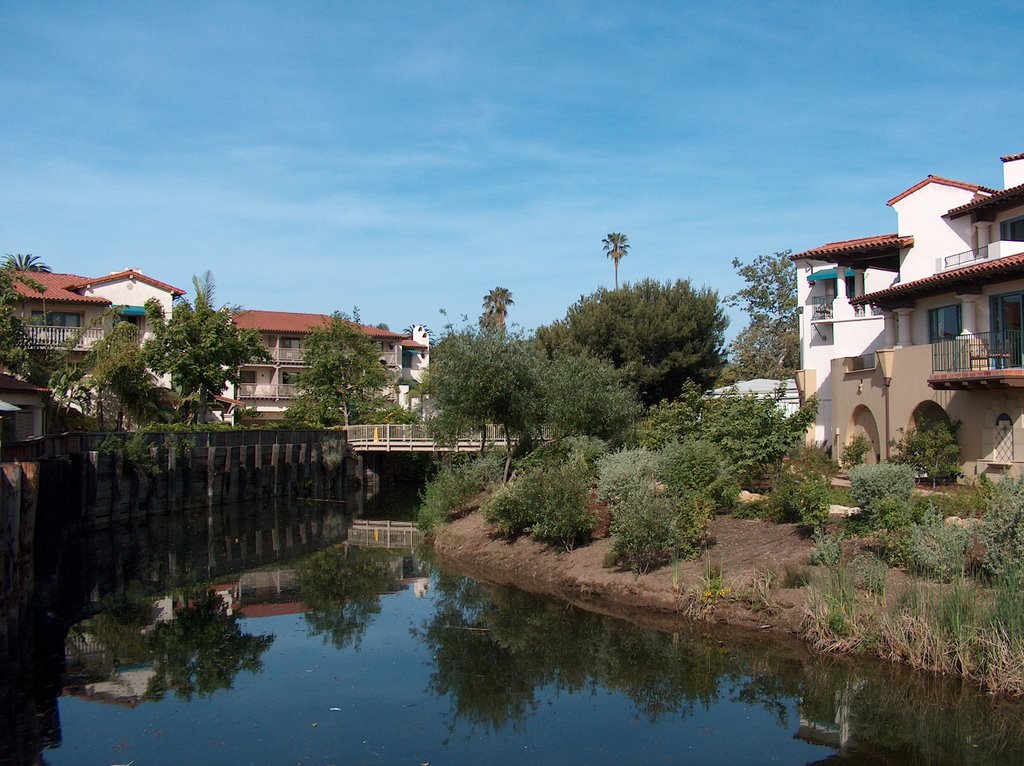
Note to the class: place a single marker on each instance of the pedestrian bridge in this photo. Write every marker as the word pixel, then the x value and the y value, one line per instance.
pixel 417 438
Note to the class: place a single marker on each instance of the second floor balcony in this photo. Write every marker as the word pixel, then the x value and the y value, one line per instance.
pixel 979 360
pixel 52 336
pixel 267 391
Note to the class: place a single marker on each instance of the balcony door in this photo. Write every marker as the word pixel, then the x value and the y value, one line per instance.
pixel 1007 323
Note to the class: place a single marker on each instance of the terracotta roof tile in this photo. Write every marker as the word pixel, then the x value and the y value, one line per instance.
pixel 57 288
pixel 287 321
pixel 410 343
pixel 943 182
pixel 10 384
pixel 936 282
pixel 856 245
pixel 89 281
pixel 1012 157
pixel 1007 197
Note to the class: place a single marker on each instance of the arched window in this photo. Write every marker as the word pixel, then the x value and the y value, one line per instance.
pixel 1002 449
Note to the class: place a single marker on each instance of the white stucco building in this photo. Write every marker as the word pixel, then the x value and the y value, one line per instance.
pixel 924 321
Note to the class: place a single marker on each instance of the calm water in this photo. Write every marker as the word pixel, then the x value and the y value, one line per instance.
pixel 369 656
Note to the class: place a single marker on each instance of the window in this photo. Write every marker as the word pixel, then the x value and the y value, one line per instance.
pixel 289 378
pixel 247 377
pixel 291 342
pixel 1002 448
pixel 944 322
pixel 58 318
pixel 1012 230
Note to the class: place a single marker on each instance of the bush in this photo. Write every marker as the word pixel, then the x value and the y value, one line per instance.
pixel 869 484
pixel 799 498
pixel 644 526
pixel 931 449
pixel 936 550
pixel 623 474
pixel 511 507
pixel 1003 533
pixel 828 549
pixel 452 489
pixel 697 467
pixel 855 452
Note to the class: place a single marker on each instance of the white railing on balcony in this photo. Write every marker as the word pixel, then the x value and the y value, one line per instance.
pixel 290 355
pixel 50 336
pixel 267 391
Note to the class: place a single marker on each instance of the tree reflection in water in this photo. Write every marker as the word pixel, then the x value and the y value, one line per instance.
pixel 202 649
pixel 341 588
pixel 496 649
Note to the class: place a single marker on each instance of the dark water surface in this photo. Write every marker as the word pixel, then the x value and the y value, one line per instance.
pixel 305 654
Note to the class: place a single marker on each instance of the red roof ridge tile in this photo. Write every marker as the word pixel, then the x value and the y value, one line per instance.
pixel 858 243
pixel 57 288
pixel 1012 157
pixel 970 270
pixel 992 199
pixel 932 179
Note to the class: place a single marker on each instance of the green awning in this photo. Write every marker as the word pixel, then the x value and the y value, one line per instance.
pixel 823 274
pixel 132 311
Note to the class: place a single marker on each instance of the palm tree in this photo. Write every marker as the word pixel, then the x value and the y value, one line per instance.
pixel 25 262
pixel 496 304
pixel 616 245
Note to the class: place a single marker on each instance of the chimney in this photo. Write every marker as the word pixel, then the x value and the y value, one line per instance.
pixel 1013 170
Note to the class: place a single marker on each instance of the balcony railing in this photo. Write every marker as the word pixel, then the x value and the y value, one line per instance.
pixel 821 307
pixel 267 391
pixel 981 352
pixel 860 363
pixel 962 259
pixel 287 355
pixel 50 336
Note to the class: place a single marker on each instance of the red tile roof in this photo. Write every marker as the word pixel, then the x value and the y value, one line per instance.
pixel 1012 157
pixel 988 270
pixel 11 385
pixel 856 245
pixel 287 321
pixel 410 343
pixel 943 182
pixel 89 281
pixel 1005 198
pixel 57 287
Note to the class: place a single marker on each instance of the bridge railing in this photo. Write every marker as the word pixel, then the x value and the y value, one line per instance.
pixel 390 436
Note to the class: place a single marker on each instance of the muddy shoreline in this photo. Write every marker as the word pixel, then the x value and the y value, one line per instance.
pixel 747 552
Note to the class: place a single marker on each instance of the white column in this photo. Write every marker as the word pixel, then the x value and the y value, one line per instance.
pixel 968 315
pixel 841 282
pixel 983 229
pixel 903 336
pixel 858 282
pixel 889 331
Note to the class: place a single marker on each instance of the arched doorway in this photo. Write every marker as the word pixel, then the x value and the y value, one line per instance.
pixel 863 422
pixel 927 412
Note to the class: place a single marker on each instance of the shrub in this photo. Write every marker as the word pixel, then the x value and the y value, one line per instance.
pixel 452 489
pixel 936 550
pixel 931 449
pixel 828 549
pixel 697 467
pixel 871 484
pixel 1003 533
pixel 562 516
pixel 625 473
pixel 855 452
pixel 644 526
pixel 511 507
pixel 799 498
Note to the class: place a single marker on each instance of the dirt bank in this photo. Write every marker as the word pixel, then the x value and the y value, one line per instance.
pixel 746 552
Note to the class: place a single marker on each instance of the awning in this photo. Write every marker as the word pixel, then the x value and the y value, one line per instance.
pixel 823 274
pixel 8 407
pixel 132 311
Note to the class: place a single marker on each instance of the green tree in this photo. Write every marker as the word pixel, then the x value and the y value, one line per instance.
pixel 120 379
pixel 484 376
pixel 343 375
pixel 496 304
pixel 659 335
pixel 200 346
pixel 931 449
pixel 616 246
pixel 25 262
pixel 585 396
pixel 769 346
pixel 13 342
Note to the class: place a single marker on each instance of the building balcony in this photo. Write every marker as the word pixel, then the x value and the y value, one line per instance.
pixel 267 391
pixel 51 336
pixel 826 309
pixel 992 251
pixel 981 360
pixel 285 355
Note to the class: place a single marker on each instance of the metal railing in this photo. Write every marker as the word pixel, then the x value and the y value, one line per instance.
pixel 968 256
pixel 51 336
pixel 291 355
pixel 821 307
pixel 980 352
pixel 267 391
pixel 417 436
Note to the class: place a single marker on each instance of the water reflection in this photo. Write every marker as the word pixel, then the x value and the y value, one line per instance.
pixel 499 652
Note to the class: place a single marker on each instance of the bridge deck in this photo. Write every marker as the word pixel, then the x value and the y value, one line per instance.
pixel 415 438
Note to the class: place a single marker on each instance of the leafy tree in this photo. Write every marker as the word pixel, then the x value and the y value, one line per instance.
pixel 13 341
pixel 659 335
pixel 343 375
pixel 120 379
pixel 25 262
pixel 200 346
pixel 585 396
pixel 616 246
pixel 483 377
pixel 931 449
pixel 769 346
pixel 496 304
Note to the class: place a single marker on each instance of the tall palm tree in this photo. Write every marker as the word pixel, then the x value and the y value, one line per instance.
pixel 615 246
pixel 496 304
pixel 25 262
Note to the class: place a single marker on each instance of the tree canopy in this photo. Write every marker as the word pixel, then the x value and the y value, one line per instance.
pixel 25 262
pixel 343 375
pixel 200 346
pixel 660 335
pixel 769 346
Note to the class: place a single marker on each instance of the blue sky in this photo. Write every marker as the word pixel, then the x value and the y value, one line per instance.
pixel 405 157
